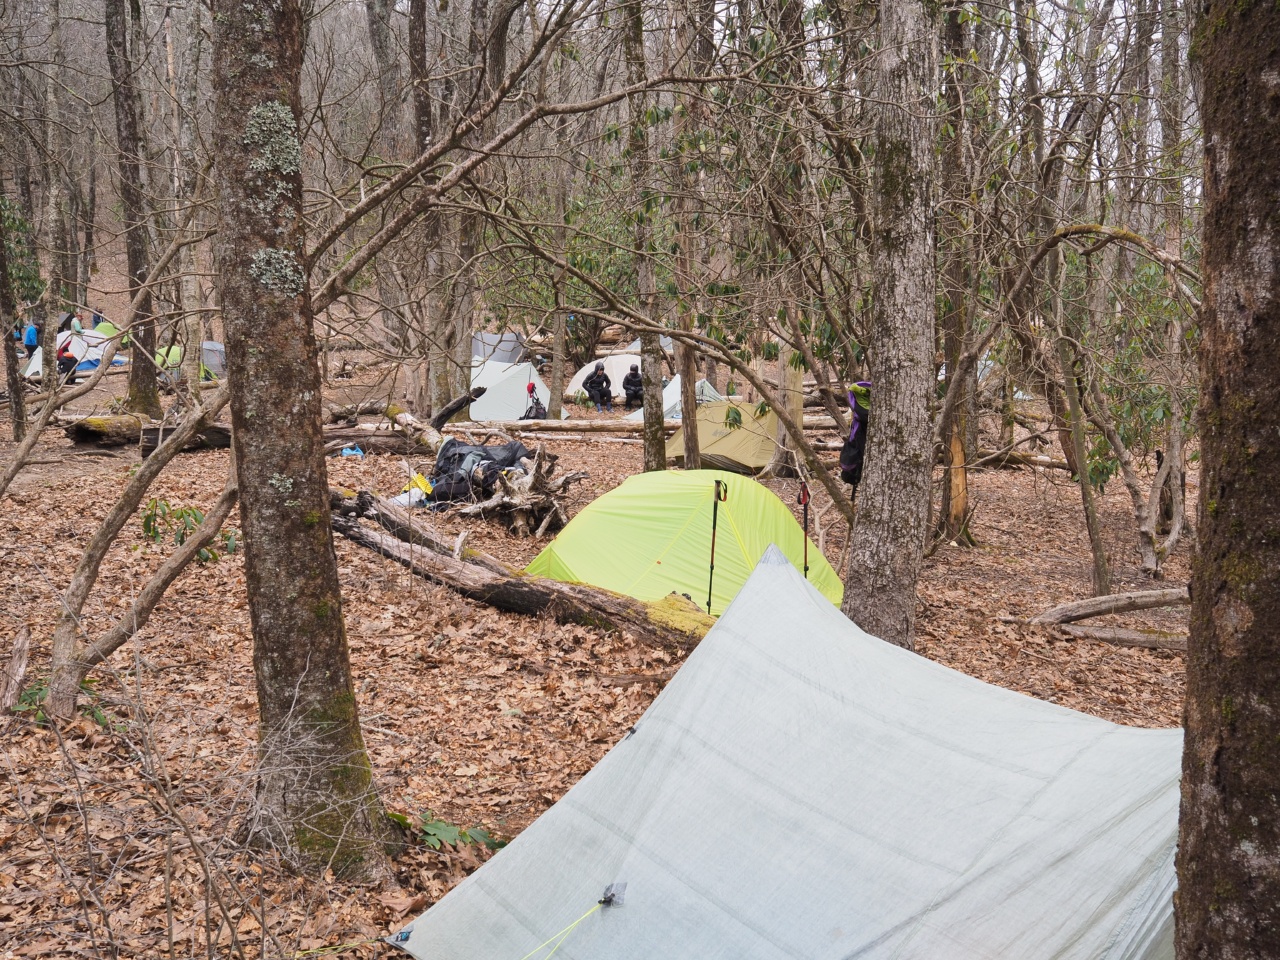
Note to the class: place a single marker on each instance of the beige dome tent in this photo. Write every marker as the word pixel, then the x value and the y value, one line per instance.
pixel 730 436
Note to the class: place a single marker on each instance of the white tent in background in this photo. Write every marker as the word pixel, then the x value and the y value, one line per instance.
pixel 616 366
pixel 81 349
pixel 506 389
pixel 703 390
pixel 507 347
pixel 667 344
pixel 801 789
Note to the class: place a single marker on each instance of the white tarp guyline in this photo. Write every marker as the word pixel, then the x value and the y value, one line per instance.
pixel 803 790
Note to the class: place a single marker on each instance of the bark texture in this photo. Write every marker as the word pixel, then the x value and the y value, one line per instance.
pixel 887 541
pixel 1228 900
pixel 144 390
pixel 316 800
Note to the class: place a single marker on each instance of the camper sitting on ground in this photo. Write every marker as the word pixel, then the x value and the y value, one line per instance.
pixel 633 387
pixel 535 410
pixel 600 389
pixel 66 359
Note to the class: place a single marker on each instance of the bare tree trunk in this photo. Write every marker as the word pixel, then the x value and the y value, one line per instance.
pixel 9 322
pixel 1228 900
pixel 144 388
pixel 954 512
pixel 316 800
pixel 651 359
pixel 887 541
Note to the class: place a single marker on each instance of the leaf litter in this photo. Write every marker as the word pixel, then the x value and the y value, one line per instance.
pixel 119 836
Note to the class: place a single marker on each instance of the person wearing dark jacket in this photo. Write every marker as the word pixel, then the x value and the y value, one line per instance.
pixel 600 389
pixel 633 387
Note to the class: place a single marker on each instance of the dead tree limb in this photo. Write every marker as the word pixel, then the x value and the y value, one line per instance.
pixel 453 406
pixel 673 621
pixel 1114 603
pixel 1120 637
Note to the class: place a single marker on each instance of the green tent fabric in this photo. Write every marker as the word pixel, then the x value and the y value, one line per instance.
pixel 651 536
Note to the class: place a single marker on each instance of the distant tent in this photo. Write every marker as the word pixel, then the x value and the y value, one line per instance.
pixel 80 349
pixel 507 347
pixel 506 389
pixel 801 789
pixel 616 366
pixel 666 342
pixel 745 448
pixel 703 390
pixel 651 536
pixel 214 357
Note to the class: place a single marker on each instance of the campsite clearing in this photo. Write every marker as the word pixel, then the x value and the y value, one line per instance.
pixel 472 717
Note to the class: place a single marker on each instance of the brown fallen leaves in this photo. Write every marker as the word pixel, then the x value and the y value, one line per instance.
pixel 123 839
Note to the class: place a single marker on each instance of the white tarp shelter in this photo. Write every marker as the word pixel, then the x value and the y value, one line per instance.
pixel 803 790
pixel 703 390
pixel 667 344
pixel 506 389
pixel 507 347
pixel 616 366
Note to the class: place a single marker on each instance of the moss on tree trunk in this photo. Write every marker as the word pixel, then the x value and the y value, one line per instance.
pixel 316 800
pixel 1228 900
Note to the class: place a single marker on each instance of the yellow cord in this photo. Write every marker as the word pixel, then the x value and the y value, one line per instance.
pixel 559 938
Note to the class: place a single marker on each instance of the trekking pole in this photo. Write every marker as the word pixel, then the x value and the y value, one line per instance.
pixel 803 500
pixel 721 495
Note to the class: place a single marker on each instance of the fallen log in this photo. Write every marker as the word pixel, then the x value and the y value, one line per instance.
pixel 673 621
pixel 216 436
pixel 403 525
pixel 105 431
pixel 349 412
pixel 1114 603
pixel 517 427
pixel 1121 637
pixel 1014 458
pixel 453 406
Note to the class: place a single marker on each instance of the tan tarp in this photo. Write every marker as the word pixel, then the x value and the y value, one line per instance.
pixel 743 449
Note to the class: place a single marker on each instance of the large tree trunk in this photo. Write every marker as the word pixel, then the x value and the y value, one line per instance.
pixel 887 541
pixel 316 800
pixel 144 389
pixel 1228 901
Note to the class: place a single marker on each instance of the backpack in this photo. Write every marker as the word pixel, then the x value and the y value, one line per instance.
pixel 535 411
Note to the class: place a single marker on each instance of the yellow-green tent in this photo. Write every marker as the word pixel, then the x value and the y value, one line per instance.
pixel 651 536
pixel 737 440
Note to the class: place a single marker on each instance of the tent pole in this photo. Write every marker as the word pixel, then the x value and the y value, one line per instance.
pixel 721 495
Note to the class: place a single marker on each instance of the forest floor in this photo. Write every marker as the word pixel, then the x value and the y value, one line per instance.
pixel 119 835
